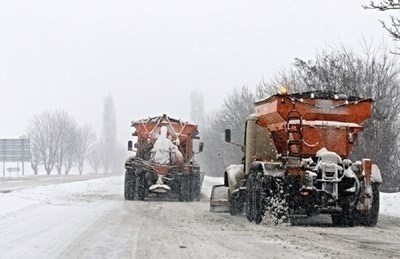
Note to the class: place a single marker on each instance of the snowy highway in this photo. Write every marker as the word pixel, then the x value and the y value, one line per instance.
pixel 88 218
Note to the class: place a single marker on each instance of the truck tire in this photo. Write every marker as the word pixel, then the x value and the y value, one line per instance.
pixel 258 208
pixel 184 188
pixel 129 186
pixel 249 198
pixel 347 218
pixel 371 218
pixel 236 204
pixel 140 191
pixel 254 208
pixel 196 186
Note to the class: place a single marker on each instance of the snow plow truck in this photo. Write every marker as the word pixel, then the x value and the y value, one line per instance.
pixel 296 162
pixel 163 165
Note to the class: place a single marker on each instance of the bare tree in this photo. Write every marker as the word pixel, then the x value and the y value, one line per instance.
pixel 42 131
pixel 234 112
pixel 65 140
pixel 86 140
pixel 109 134
pixel 94 157
pixel 36 159
pixel 393 27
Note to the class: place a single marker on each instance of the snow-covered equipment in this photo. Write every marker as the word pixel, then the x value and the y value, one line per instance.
pixel 164 163
pixel 296 161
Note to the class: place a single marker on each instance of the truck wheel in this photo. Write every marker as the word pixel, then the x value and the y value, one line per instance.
pixel 258 209
pixel 236 204
pixel 129 186
pixel 140 185
pixel 371 218
pixel 184 189
pixel 253 199
pixel 347 218
pixel 196 187
pixel 191 187
pixel 249 198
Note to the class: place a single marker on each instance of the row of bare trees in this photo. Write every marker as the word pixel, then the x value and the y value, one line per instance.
pixel 371 74
pixel 58 142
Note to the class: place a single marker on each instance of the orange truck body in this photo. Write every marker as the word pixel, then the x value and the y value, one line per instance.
pixel 330 123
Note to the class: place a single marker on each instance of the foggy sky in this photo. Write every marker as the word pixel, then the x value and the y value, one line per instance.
pixel 149 55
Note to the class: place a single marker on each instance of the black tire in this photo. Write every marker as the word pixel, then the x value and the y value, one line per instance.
pixel 129 186
pixel 337 219
pixel 371 218
pixel 249 208
pixel 257 202
pixel 347 218
pixel 351 217
pixel 140 188
pixel 236 204
pixel 196 187
pixel 254 209
pixel 183 189
pixel 191 187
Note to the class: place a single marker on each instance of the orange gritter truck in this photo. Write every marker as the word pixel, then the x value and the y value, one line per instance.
pixel 296 162
pixel 164 164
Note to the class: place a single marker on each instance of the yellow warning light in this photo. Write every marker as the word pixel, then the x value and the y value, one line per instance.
pixel 283 90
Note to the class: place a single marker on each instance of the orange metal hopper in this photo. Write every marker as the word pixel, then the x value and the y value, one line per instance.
pixel 304 123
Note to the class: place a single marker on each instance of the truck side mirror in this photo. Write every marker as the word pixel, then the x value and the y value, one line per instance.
pixel 130 145
pixel 201 146
pixel 228 135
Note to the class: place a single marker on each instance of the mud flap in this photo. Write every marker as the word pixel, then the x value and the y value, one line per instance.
pixel 219 201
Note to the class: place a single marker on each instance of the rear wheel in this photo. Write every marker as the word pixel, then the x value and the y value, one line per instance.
pixel 129 187
pixel 236 204
pixel 140 188
pixel 196 186
pixel 185 193
pixel 371 218
pixel 253 199
pixel 249 198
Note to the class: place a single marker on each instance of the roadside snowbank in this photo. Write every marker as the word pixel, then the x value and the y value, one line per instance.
pixel 389 202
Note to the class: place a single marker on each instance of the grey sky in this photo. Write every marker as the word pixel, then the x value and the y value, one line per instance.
pixel 151 54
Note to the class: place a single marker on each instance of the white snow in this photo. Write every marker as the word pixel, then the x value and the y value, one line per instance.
pixel 162 147
pixel 390 204
pixel 45 221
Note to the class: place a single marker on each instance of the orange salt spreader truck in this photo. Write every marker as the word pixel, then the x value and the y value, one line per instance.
pixel 296 162
pixel 164 164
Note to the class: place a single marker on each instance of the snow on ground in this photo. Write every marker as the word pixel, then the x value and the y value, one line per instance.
pixel 389 202
pixel 90 219
pixel 37 214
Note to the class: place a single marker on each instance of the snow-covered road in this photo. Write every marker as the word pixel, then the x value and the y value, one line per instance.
pixel 90 219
